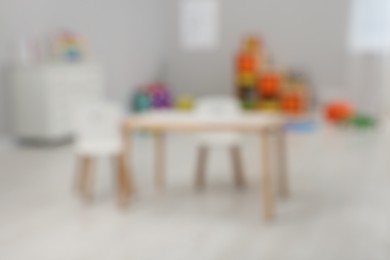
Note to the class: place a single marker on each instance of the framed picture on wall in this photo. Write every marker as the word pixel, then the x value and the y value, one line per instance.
pixel 199 24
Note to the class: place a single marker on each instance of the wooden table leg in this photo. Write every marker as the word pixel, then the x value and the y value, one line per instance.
pixel 282 177
pixel 160 160
pixel 266 179
pixel 125 171
pixel 125 181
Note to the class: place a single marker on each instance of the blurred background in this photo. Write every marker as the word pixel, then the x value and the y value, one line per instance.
pixel 71 72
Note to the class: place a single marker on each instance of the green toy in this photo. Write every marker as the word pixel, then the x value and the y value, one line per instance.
pixel 141 102
pixel 363 121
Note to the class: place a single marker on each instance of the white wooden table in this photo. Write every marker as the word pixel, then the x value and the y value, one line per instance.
pixel 263 124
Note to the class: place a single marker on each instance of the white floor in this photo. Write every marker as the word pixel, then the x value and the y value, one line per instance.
pixel 339 208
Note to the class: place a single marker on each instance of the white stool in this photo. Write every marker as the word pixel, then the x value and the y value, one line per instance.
pixel 98 134
pixel 218 107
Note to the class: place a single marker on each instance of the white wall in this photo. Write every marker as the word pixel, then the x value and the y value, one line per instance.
pixel 309 35
pixel 125 36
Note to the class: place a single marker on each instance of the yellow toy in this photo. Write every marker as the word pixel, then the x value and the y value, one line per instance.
pixel 184 103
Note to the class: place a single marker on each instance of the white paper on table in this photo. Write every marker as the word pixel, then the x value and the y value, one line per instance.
pixel 199 24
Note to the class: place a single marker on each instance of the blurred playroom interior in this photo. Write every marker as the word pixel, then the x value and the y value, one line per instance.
pixel 194 129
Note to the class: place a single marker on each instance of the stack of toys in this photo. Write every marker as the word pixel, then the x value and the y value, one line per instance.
pixel 68 46
pixel 247 66
pixel 295 97
pixel 260 86
pixel 152 96
pixel 269 90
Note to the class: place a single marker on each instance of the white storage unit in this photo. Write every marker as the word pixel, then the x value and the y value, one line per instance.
pixel 43 98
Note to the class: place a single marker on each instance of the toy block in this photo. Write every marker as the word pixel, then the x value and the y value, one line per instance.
pixel 247 63
pixel 272 105
pixel 248 104
pixel 248 93
pixel 293 103
pixel 269 84
pixel 247 79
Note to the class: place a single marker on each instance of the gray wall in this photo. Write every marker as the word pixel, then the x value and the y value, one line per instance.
pixel 125 36
pixel 309 35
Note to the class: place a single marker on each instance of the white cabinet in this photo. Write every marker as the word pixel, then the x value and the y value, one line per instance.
pixel 43 98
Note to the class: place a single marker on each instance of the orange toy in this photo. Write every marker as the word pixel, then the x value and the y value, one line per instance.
pixel 293 103
pixel 338 111
pixel 247 63
pixel 269 84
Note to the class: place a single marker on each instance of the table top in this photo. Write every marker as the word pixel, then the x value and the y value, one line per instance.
pixel 171 120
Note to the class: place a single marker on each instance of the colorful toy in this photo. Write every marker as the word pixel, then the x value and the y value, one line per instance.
pixel 363 121
pixel 303 126
pixel 141 102
pixel 269 84
pixel 160 96
pixel 247 79
pixel 338 111
pixel 247 63
pixel 343 113
pixel 185 103
pixel 295 97
pixel 69 46
pixel 248 67
pixel 292 104
pixel 152 96
pixel 269 105
pixel 248 96
pixel 260 86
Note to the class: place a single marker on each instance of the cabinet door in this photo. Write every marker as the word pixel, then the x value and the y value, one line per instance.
pixel 58 105
pixel 85 83
pixel 28 103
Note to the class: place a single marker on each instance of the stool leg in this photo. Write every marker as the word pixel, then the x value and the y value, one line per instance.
pixel 201 167
pixel 85 181
pixel 125 182
pixel 239 177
